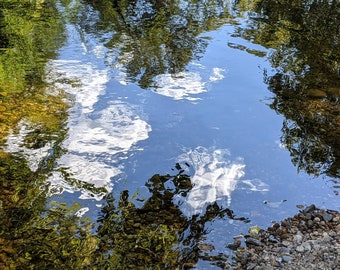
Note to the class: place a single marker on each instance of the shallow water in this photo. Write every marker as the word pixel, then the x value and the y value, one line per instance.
pixel 212 117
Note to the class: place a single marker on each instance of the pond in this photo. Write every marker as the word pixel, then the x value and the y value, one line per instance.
pixel 173 125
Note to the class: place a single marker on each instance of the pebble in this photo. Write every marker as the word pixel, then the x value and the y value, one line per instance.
pixel 325 237
pixel 327 217
pixel 298 238
pixel 317 219
pixel 272 239
pixel 253 241
pixel 309 209
pixel 300 248
pixel 265 267
pixel 286 259
pixel 284 250
pixel 251 266
pixel 316 247
pixel 235 245
pixel 311 241
pixel 325 256
pixel 307 247
pixel 286 243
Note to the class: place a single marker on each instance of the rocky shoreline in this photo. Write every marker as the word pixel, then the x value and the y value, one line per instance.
pixel 309 240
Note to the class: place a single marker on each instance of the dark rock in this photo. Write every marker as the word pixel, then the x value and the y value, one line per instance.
pixel 253 241
pixel 325 256
pixel 206 247
pixel 285 236
pixel 286 259
pixel 235 245
pixel 327 217
pixel 276 226
pixel 272 239
pixel 309 209
pixel 284 250
pixel 310 223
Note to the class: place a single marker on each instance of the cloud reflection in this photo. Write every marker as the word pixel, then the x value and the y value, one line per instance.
pixel 16 144
pixel 90 79
pixel 182 85
pixel 98 139
pixel 112 130
pixel 215 177
pixel 185 85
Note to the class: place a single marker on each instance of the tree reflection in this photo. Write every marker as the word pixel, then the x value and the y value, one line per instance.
pixel 30 32
pixel 305 39
pixel 49 235
pixel 34 233
pixel 158 37
pixel 157 235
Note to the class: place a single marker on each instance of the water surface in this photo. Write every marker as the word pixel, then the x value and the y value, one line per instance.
pixel 193 87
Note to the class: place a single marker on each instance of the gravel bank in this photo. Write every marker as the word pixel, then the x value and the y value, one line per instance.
pixel 309 240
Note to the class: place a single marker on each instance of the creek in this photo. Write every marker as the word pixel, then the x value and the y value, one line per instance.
pixel 186 91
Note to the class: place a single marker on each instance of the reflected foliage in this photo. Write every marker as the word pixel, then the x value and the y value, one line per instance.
pixel 157 37
pixel 31 235
pixel 30 32
pixel 305 39
pixel 155 235
pixel 39 233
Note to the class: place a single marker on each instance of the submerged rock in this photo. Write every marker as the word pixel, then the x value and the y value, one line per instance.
pixel 316 93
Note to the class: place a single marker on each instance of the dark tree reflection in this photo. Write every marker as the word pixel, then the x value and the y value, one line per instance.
pixel 158 37
pixel 157 235
pixel 305 39
pixel 39 233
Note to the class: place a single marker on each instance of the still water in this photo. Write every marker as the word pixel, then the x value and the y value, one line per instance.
pixel 208 112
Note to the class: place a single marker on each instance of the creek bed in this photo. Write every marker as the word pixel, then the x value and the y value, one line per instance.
pixel 308 240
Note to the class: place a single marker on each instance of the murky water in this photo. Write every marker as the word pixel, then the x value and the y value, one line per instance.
pixel 212 117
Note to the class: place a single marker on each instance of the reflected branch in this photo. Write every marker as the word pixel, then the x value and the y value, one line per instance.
pixel 305 54
pixel 157 234
pixel 150 38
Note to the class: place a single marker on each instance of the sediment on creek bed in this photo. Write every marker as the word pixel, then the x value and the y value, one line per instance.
pixel 309 240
